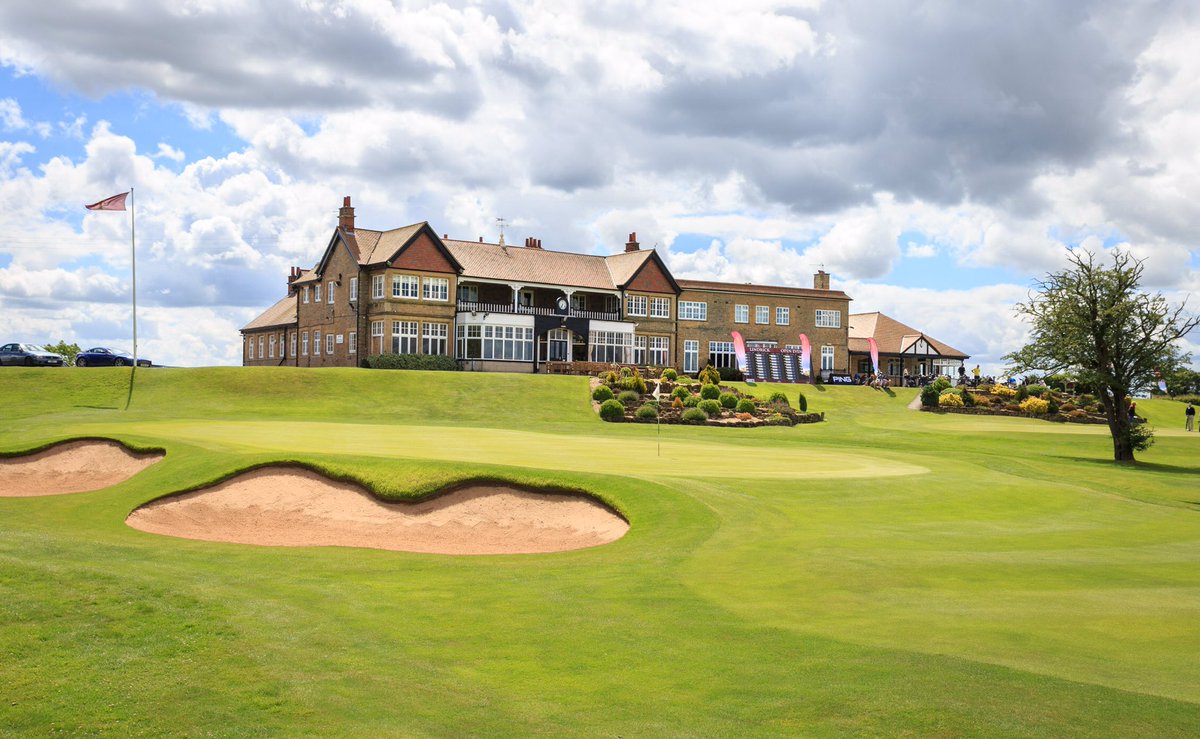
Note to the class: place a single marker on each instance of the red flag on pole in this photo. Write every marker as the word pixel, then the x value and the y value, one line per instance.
pixel 116 202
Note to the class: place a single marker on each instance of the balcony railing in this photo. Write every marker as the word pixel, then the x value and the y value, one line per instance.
pixel 529 310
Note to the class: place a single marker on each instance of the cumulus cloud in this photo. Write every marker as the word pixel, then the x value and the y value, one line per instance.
pixel 786 136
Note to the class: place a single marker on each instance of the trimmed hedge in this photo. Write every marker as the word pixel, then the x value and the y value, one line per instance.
pixel 680 392
pixel 647 411
pixel 745 405
pixel 711 407
pixel 669 375
pixel 709 392
pixel 694 414
pixel 628 396
pixel 612 410
pixel 602 393
pixel 412 362
pixel 728 400
pixel 779 397
pixel 802 403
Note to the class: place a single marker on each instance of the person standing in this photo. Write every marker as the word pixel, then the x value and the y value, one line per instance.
pixel 1190 418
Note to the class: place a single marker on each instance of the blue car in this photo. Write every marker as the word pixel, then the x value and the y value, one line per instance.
pixel 102 357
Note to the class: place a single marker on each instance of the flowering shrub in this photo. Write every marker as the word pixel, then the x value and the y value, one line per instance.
pixel 1035 405
pixel 950 400
pixel 1004 391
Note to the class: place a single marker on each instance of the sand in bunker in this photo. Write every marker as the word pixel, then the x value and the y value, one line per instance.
pixel 73 467
pixel 296 507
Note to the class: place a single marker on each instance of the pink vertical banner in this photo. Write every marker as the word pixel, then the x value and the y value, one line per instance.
pixel 805 355
pixel 739 349
pixel 874 354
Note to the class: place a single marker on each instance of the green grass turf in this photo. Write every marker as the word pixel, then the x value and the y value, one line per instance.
pixel 885 572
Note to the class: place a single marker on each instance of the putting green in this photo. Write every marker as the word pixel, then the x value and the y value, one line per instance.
pixel 574 452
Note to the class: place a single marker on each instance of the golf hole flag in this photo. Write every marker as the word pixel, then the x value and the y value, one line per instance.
pixel 874 354
pixel 805 355
pixel 116 202
pixel 739 350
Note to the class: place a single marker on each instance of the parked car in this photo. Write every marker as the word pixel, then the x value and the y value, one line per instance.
pixel 29 355
pixel 102 357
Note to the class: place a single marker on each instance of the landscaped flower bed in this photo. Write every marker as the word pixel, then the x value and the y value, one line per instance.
pixel 1028 401
pixel 627 396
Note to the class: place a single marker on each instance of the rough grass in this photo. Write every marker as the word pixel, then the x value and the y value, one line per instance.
pixel 885 572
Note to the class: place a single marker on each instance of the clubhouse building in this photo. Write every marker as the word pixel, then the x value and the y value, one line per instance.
pixel 500 307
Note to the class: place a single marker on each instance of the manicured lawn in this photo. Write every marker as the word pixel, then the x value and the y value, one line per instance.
pixel 885 572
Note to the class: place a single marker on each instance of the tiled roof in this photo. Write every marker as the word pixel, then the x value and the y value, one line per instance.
pixel 282 313
pixel 623 266
pixel 526 265
pixel 733 287
pixel 379 246
pixel 891 336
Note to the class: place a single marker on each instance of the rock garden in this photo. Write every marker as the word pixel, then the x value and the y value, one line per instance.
pixel 626 395
pixel 1033 401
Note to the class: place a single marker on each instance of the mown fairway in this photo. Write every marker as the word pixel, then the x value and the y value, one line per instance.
pixel 886 572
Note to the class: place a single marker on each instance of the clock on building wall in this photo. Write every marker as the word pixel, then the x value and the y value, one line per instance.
pixel 563 305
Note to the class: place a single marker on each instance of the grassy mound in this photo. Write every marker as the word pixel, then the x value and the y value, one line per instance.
pixel 884 572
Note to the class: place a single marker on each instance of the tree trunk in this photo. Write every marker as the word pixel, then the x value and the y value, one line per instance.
pixel 1118 425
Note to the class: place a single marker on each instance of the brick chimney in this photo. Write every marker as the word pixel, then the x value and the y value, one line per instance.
pixel 346 215
pixel 532 243
pixel 821 280
pixel 293 275
pixel 632 244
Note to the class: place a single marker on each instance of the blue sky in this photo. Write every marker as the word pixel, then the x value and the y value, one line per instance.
pixel 750 144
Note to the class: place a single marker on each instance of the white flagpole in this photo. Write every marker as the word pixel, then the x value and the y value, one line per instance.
pixel 133 268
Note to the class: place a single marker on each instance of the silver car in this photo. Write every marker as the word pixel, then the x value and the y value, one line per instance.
pixel 29 355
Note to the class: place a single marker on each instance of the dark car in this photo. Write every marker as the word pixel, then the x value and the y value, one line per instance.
pixel 29 355
pixel 102 357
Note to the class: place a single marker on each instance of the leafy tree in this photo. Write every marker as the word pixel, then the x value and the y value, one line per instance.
pixel 1182 381
pixel 1093 320
pixel 67 350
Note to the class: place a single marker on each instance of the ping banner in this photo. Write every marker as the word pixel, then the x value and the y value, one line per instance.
pixel 739 349
pixel 805 356
pixel 874 354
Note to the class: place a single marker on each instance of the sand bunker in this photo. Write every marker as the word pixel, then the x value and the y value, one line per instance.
pixel 71 467
pixel 294 507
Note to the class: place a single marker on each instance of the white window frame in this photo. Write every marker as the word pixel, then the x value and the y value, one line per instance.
pixel 828 318
pixel 635 305
pixel 377 287
pixel 316 343
pixel 783 316
pixel 250 348
pixel 317 293
pixel 721 354
pixel 406 287
pixel 693 310
pixel 329 343
pixel 468 293
pixel 660 307
pixel 353 289
pixel 610 346
pixel 639 350
pixel 741 313
pixel 405 337
pixel 691 355
pixel 435 336
pixel 292 345
pixel 261 348
pixel 304 344
pixel 762 315
pixel 271 346
pixel 659 353
pixel 826 358
pixel 329 288
pixel 353 343
pixel 436 289
pixel 306 294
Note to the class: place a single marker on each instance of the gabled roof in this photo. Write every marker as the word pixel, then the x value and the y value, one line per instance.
pixel 369 247
pixel 526 265
pixel 282 313
pixel 891 336
pixel 627 265
pixel 733 287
